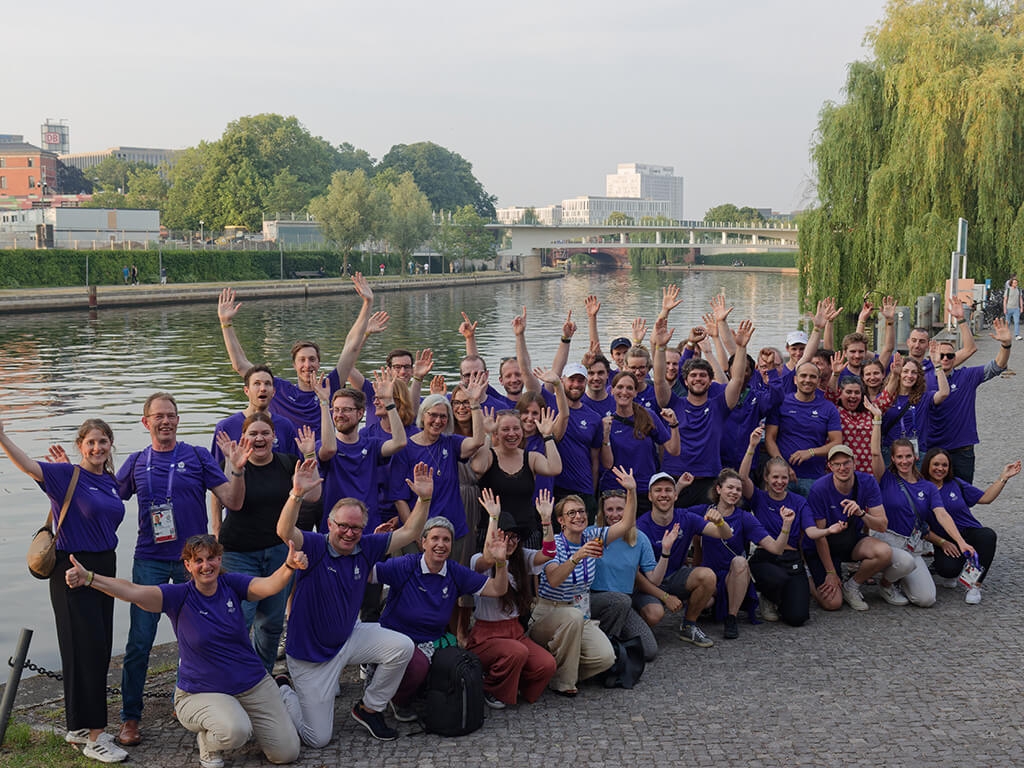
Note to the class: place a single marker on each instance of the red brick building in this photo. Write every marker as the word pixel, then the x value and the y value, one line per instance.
pixel 26 171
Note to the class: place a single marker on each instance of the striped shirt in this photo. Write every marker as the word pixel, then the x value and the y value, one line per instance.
pixel 582 576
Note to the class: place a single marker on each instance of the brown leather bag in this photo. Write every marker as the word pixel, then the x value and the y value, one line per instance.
pixel 42 552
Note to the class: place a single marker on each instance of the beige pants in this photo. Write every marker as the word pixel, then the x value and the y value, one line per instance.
pixel 580 648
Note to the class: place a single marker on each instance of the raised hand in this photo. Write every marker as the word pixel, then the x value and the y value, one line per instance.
pixel 592 305
pixel 227 307
pixel 662 334
pixel 305 440
pixel 519 323
pixel 545 504
pixel 787 515
pixel 838 362
pixel 568 327
pixel 296 560
pixel 1002 331
pixel 669 538
pixel 424 364
pixel 866 310
pixel 639 328
pixel 546 424
pixel 322 388
pixel 384 383
pixel 306 477
pixel 956 308
pixel 625 477
pixel 888 310
pixel 422 483
pixel 756 436
pixel 490 421
pixel 378 322
pixel 362 286
pixel 490 502
pixel 477 387
pixel 546 375
pixel 57 455
pixel 697 335
pixel 718 308
pixel 710 325
pixel 438 386
pixel 743 333
pixel 467 328
pixel 669 299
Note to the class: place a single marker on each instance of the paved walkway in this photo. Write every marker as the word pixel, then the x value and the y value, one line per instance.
pixel 889 687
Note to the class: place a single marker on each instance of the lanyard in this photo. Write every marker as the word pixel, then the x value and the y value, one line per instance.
pixel 170 473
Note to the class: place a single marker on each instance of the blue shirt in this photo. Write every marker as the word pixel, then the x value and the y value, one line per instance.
pixel 578 582
pixel 617 567
pixel 701 428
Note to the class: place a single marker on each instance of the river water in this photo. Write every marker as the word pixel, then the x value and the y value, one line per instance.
pixel 59 369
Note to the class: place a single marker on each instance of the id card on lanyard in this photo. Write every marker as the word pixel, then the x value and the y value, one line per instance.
pixel 161 515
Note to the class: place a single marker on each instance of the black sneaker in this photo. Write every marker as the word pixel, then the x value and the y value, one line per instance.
pixel 373 722
pixel 732 628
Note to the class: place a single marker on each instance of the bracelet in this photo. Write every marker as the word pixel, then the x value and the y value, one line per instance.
pixel 548 548
pixel 830 572
pixel 637 342
pixel 493 517
pixel 961 321
pixel 548 437
pixel 390 407
pixel 819 328
pixel 296 496
pixel 786 531
pixel 425 498
pixel 289 567
pixel 749 453
pixel 474 407
pixel 566 339
pixel 1001 480
pixel 876 421
pixel 674 426
pixel 574 561
pixel 310 455
pixel 418 379
pixel 889 322
pixel 238 474
pixel 665 554
pixel 608 443
pixel 1007 346
pixel 664 597
pixel 89 578
pixel 225 325
pixel 500 563
pixel 720 524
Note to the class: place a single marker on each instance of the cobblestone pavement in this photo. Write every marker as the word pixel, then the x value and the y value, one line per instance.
pixel 888 687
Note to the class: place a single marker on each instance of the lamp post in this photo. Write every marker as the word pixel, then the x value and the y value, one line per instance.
pixel 201 237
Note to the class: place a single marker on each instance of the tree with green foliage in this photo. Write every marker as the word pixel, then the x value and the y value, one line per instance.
pixel 409 221
pixel 147 190
pixel 530 216
pixel 71 180
pixel 618 219
pixel 730 214
pixel 351 211
pixel 445 177
pixel 932 129
pixel 462 236
pixel 112 174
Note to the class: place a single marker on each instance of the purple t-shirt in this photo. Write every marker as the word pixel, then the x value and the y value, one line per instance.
pixel 583 433
pixel 182 475
pixel 718 553
pixel 443 457
pixel 904 518
pixel 953 423
pixel 355 472
pixel 284 435
pixel 805 425
pixel 300 407
pixel 957 496
pixel 370 417
pixel 94 513
pixel 754 404
pixel 328 595
pixel 701 428
pixel 602 408
pixel 767 511
pixel 420 603
pixel 825 502
pixel 641 455
pixel 691 522
pixel 214 651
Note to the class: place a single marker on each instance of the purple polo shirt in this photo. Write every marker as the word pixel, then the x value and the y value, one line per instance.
pixel 824 501
pixel 94 513
pixel 768 512
pixel 904 517
pixel 953 423
pixel 284 435
pixel 641 455
pixel 328 595
pixel 354 471
pixel 300 407
pixel 718 553
pixel 957 496
pixel 701 428
pixel 805 425
pixel 420 603
pixel 443 458
pixel 583 434
pixel 214 651
pixel 691 522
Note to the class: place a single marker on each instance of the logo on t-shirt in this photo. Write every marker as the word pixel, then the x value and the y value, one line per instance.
pixel 355 573
pixel 230 605
pixel 814 413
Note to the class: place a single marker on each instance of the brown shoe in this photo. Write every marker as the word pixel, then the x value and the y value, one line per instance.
pixel 129 735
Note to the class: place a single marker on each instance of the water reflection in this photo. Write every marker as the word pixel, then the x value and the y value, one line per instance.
pixel 58 369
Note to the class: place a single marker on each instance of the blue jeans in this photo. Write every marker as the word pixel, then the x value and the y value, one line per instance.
pixel 1013 314
pixel 142 632
pixel 264 618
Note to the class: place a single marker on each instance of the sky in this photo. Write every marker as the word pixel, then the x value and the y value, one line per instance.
pixel 543 98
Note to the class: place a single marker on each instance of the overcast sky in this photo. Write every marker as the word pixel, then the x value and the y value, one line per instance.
pixel 543 98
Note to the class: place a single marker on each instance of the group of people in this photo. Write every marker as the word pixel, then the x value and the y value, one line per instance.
pixel 531 525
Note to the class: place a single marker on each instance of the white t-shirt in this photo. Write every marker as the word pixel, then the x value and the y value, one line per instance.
pixel 490 608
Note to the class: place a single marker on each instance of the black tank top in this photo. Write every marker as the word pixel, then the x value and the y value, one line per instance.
pixel 515 492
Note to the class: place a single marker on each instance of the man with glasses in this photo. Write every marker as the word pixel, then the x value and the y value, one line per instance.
pixel 953 424
pixel 352 462
pixel 403 367
pixel 917 341
pixel 324 631
pixel 170 480
pixel 854 500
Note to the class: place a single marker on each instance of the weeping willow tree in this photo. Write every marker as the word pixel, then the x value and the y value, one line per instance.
pixel 932 129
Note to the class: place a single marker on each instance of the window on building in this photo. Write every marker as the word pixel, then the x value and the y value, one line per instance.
pixel 31 182
pixel 3 162
pixel 31 162
pixel 3 182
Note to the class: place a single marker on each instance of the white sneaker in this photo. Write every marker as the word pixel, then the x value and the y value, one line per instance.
pixel 104 750
pixel 973 596
pixel 208 758
pixel 1018 338
pixel 769 611
pixel 892 594
pixel 81 736
pixel 945 583
pixel 852 595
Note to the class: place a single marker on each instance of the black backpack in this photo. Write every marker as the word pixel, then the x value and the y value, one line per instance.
pixel 454 700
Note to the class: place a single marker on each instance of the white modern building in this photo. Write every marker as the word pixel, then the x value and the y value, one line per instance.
pixel 86 160
pixel 548 215
pixel 647 182
pixel 591 209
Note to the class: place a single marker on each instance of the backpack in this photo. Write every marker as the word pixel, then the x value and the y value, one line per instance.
pixel 629 664
pixel 454 700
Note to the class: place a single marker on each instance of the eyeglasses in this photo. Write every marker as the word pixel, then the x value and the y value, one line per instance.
pixel 512 537
pixel 436 416
pixel 346 409
pixel 460 403
pixel 947 355
pixel 400 367
pixel 574 513
pixel 345 527
pixel 841 464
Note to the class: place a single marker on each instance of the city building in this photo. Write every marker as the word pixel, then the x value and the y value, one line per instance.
pixel 548 215
pixel 26 171
pixel 594 210
pixel 86 160
pixel 647 182
pixel 79 228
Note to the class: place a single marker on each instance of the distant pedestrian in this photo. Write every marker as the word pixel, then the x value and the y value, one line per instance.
pixel 382 269
pixel 1012 304
pixel 134 275
pixel 163 275
pixel 126 273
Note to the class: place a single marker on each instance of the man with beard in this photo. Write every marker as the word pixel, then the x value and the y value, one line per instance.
pixel 580 444
pixel 259 389
pixel 597 398
pixel 351 462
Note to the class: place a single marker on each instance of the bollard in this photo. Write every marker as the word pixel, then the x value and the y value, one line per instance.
pixel 12 681
pixel 93 303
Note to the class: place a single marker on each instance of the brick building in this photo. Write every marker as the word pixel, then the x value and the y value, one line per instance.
pixel 26 171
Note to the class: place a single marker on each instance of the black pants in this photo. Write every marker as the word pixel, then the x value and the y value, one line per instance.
pixel 85 629
pixel 984 542
pixel 961 462
pixel 783 580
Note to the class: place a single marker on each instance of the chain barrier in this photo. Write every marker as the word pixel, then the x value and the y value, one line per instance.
pixel 110 690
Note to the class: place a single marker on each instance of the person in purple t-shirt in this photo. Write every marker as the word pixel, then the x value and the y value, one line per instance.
pixel 85 622
pixel 299 403
pixel 324 631
pixel 425 590
pixel 223 693
pixel 803 428
pixel 169 480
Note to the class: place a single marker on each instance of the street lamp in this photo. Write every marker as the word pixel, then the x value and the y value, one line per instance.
pixel 201 238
